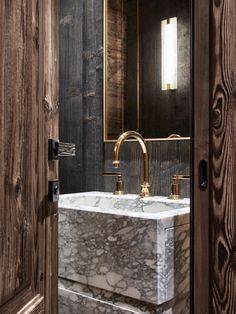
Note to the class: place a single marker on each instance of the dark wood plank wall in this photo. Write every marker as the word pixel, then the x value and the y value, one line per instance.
pixel 81 93
pixel 28 226
pixel 81 112
pixel 93 94
pixel 71 92
pixel 222 156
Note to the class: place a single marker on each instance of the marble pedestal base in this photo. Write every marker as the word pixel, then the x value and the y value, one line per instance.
pixel 126 249
pixel 78 299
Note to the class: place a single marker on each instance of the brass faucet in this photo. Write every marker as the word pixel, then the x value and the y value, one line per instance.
pixel 175 186
pixel 119 182
pixel 116 161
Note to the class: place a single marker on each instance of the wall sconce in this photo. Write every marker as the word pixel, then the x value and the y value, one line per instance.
pixel 169 53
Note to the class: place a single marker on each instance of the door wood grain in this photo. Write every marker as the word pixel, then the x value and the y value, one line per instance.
pixel 213 217
pixel 28 117
pixel 200 222
pixel 222 156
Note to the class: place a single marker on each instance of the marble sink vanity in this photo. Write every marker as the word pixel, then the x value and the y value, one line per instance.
pixel 122 251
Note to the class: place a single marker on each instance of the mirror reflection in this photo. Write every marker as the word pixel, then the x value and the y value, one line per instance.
pixel 147 68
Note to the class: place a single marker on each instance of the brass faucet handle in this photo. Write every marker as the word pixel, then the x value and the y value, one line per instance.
pixel 175 186
pixel 145 190
pixel 120 189
pixel 119 182
pixel 175 190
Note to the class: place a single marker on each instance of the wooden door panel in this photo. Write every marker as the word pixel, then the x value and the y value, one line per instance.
pixel 24 303
pixel 223 157
pixel 17 200
pixel 50 90
pixel 28 225
pixel 214 215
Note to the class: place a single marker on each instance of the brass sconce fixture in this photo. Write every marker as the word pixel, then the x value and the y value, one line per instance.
pixel 169 53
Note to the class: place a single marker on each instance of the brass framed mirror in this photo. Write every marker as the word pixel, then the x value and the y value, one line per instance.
pixel 138 51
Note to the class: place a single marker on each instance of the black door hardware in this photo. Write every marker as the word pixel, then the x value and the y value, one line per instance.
pixel 203 175
pixel 58 149
pixel 53 191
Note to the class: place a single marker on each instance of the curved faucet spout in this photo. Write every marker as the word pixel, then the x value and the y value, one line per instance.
pixel 116 161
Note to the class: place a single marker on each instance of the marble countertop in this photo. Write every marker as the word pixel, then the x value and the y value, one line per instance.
pixel 131 205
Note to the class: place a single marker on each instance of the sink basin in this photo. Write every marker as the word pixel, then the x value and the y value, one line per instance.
pixel 108 202
pixel 136 247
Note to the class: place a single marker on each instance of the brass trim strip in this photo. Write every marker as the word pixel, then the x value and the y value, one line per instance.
pixel 160 139
pixel 123 103
pixel 105 4
pixel 138 68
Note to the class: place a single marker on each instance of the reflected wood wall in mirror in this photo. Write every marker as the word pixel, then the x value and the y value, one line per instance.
pixel 133 95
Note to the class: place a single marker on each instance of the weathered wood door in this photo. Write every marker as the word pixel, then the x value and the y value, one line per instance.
pixel 214 210
pixel 28 117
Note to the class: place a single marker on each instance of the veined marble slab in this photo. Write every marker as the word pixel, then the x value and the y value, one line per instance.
pixel 71 302
pixel 76 298
pixel 133 247
pixel 104 201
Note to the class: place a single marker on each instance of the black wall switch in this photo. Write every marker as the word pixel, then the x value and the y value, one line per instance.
pixel 53 191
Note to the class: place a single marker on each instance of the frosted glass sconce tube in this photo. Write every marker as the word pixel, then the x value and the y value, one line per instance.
pixel 169 53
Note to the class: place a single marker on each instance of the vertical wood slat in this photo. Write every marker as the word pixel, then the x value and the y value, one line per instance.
pixel 2 124
pixel 50 97
pixel 81 94
pixel 93 94
pixel 222 156
pixel 71 92
pixel 200 150
pixel 19 229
